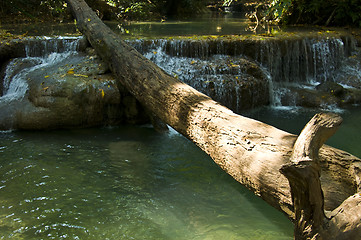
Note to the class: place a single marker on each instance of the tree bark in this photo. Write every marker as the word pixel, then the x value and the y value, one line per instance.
pixel 303 173
pixel 250 151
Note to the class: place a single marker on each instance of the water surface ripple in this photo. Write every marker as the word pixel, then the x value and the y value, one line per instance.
pixel 123 183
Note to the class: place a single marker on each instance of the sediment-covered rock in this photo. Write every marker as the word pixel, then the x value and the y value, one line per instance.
pixel 65 90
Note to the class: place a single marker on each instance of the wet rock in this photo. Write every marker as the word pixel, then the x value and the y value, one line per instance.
pixel 331 88
pixel 352 97
pixel 313 98
pixel 322 96
pixel 237 83
pixel 238 92
pixel 351 81
pixel 244 85
pixel 76 92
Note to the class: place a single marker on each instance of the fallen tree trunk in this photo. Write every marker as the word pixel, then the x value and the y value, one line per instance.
pixel 250 151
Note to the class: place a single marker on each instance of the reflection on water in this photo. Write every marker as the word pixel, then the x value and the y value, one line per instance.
pixel 202 26
pixel 123 183
pixel 207 26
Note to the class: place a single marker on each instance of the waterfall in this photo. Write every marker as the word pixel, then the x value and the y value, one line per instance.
pixel 301 59
pixel 226 79
pixel 292 61
pixel 221 67
pixel 43 46
pixel 40 52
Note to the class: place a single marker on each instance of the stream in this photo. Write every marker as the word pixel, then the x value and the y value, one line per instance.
pixel 130 182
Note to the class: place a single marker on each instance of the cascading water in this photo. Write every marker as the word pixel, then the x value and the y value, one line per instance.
pixel 40 53
pixel 301 62
pixel 222 68
pixel 233 81
pixel 43 55
pixel 43 46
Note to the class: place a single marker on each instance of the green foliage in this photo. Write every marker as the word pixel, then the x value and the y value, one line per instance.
pixel 227 2
pixel 32 8
pixel 44 10
pixel 137 10
pixel 322 12
pixel 349 11
pixel 159 9
pixel 279 9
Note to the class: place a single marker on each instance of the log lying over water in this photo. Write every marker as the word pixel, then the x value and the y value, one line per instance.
pixel 250 151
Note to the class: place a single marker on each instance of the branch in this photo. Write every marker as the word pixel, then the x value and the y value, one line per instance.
pixel 303 174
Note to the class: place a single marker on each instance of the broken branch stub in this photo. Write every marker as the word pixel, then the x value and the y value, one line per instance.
pixel 303 174
pixel 316 132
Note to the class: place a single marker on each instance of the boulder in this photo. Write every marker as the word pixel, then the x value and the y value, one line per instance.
pixel 312 98
pixel 323 95
pixel 332 88
pixel 78 91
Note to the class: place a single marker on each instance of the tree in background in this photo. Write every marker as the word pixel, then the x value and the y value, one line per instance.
pixel 157 9
pixel 320 12
pixel 38 10
pixel 32 9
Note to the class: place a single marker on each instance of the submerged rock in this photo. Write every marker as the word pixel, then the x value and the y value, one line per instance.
pixel 313 98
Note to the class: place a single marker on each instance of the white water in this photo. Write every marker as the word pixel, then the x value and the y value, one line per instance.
pixel 302 63
pixel 294 63
pixel 40 53
pixel 42 46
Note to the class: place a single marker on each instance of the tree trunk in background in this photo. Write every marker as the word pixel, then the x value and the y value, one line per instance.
pixel 250 151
